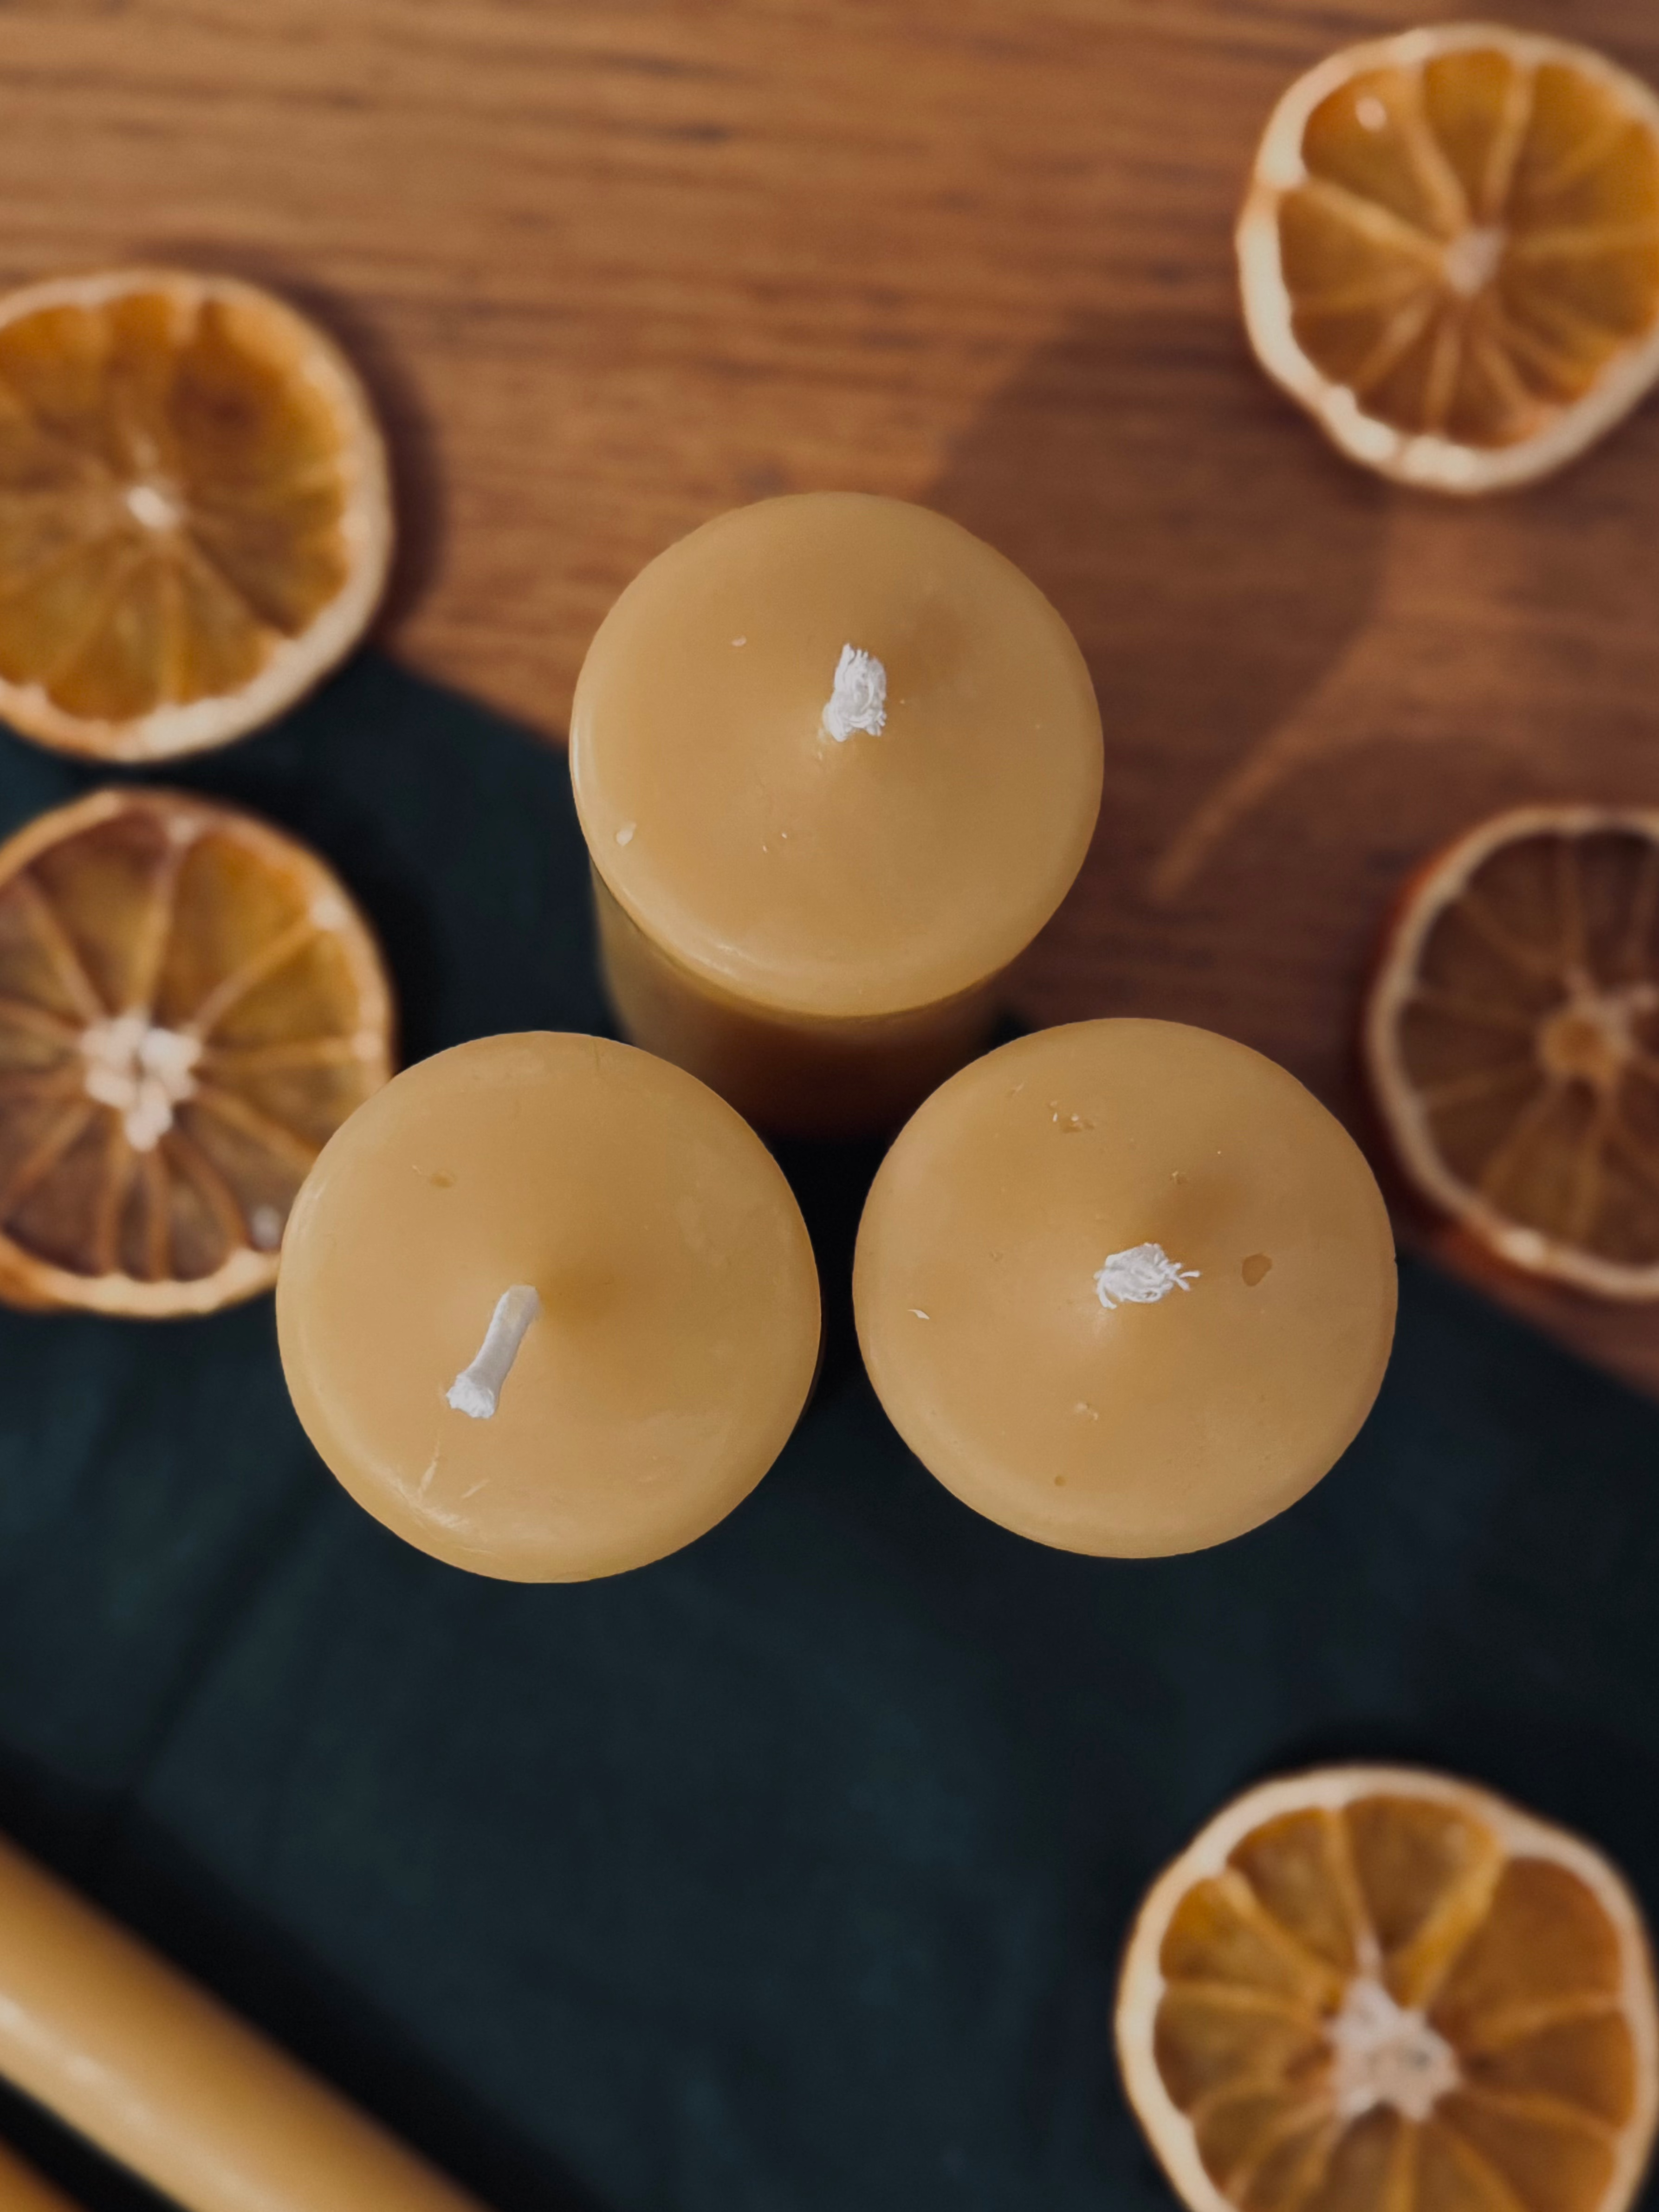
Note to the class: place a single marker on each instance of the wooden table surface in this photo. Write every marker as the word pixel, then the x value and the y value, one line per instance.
pixel 613 265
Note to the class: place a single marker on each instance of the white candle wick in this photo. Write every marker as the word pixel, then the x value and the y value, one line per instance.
pixel 859 701
pixel 1140 1277
pixel 477 1390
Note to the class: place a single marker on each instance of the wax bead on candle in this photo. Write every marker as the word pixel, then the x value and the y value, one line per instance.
pixel 547 1307
pixel 1125 1287
pixel 103 2032
pixel 837 762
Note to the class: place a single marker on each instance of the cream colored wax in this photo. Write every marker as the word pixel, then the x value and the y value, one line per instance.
pixel 808 883
pixel 106 2034
pixel 1125 1287
pixel 648 1247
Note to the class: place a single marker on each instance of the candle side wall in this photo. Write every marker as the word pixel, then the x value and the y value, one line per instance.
pixel 788 1073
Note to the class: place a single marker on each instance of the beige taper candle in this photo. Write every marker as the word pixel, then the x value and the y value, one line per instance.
pixel 103 2032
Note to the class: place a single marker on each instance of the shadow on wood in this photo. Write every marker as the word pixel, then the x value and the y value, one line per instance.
pixel 1310 682
pixel 1215 562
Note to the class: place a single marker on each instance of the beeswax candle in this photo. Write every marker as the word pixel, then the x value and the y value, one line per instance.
pixel 102 2031
pixel 837 762
pixel 1125 1287
pixel 547 1307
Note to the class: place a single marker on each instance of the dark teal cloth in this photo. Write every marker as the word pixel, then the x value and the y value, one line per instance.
pixel 789 1875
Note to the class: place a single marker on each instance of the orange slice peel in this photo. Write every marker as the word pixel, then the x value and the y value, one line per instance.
pixel 190 1006
pixel 1511 1038
pixel 1379 1989
pixel 1448 252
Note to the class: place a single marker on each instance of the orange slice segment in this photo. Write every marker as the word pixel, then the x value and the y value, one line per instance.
pixel 190 1007
pixel 1512 1040
pixel 194 517
pixel 1449 251
pixel 1375 1990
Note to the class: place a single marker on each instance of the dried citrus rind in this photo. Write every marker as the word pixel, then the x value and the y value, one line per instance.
pixel 1512 1042
pixel 1379 1989
pixel 1449 251
pixel 195 523
pixel 190 1006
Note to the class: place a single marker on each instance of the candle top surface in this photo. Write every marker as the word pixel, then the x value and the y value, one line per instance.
pixel 828 832
pixel 660 1366
pixel 1125 1287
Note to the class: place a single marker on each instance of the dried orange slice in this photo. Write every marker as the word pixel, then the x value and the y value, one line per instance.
pixel 190 1007
pixel 194 518
pixel 1373 1989
pixel 1449 251
pixel 1512 1039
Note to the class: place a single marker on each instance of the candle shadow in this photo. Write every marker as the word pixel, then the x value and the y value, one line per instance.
pixel 1215 560
pixel 831 1181
pixel 92 2183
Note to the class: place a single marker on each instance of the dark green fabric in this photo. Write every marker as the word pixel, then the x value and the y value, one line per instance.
pixel 788 1876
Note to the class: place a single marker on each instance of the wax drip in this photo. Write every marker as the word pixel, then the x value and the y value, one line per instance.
pixel 1140 1277
pixel 477 1390
pixel 859 701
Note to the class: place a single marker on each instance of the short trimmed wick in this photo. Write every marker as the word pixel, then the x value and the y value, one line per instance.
pixel 1140 1277
pixel 476 1390
pixel 859 701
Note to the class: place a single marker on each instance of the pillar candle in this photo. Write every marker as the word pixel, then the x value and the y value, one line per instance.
pixel 103 2032
pixel 547 1307
pixel 21 2189
pixel 837 762
pixel 1125 1287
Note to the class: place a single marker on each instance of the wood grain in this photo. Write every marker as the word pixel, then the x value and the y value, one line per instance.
pixel 615 265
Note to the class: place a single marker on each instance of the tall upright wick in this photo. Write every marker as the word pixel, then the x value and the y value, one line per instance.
pixel 476 1390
